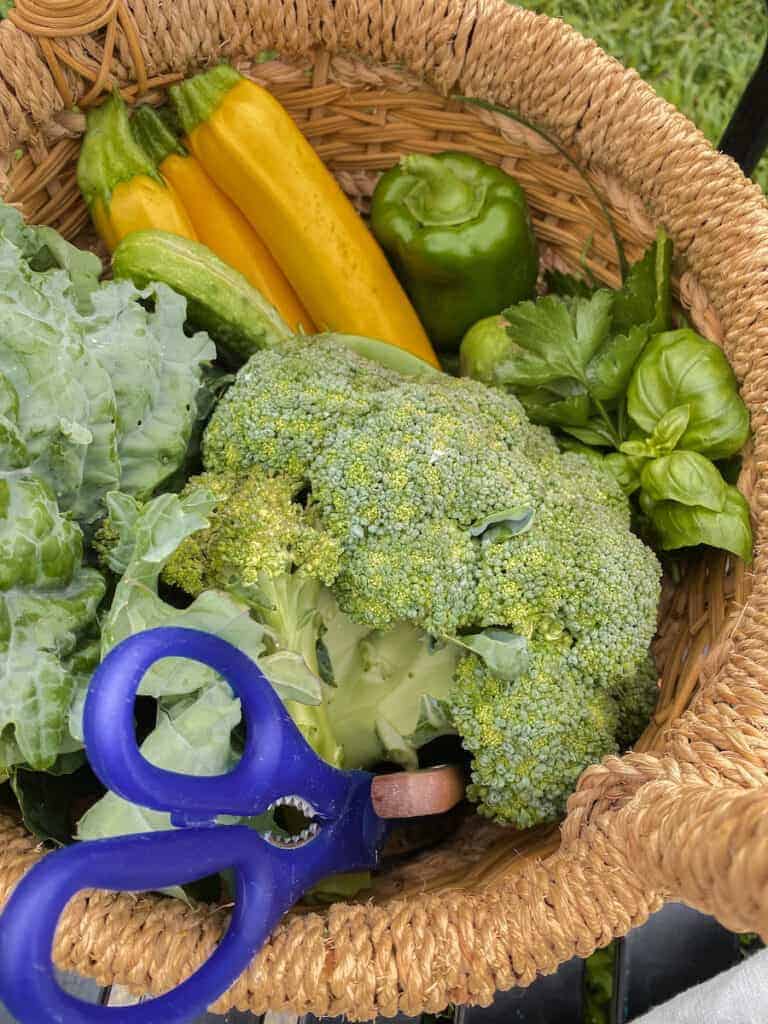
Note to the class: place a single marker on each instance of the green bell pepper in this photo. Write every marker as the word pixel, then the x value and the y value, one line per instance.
pixel 458 234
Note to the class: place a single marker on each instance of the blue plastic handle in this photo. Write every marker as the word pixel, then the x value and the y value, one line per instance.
pixel 269 880
pixel 277 760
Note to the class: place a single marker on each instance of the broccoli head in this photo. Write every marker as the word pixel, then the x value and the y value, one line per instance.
pixel 432 510
pixel 261 545
pixel 530 738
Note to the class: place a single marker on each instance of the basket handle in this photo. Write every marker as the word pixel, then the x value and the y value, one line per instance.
pixel 704 845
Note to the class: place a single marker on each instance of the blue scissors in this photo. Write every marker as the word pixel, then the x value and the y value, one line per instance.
pixel 346 833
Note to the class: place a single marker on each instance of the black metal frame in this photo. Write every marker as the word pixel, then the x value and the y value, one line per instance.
pixel 746 137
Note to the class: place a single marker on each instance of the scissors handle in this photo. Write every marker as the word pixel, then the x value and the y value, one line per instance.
pixel 265 890
pixel 277 760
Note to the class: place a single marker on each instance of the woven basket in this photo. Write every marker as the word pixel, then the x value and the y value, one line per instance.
pixel 683 816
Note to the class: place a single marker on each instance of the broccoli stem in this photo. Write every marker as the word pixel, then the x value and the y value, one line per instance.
pixel 290 610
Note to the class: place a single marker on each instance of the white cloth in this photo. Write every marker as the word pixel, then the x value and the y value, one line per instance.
pixel 737 996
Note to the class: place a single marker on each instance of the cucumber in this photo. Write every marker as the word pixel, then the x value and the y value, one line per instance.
pixel 219 299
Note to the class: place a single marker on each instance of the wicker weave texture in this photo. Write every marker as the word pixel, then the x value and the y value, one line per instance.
pixel 680 817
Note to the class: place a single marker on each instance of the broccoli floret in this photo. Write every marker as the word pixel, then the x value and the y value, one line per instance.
pixel 530 738
pixel 578 578
pixel 262 546
pixel 636 696
pixel 441 512
pixel 284 407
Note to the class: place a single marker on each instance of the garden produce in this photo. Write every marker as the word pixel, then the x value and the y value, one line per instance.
pixel 219 224
pixel 253 150
pixel 458 233
pixel 120 184
pixel 453 541
pixel 197 713
pixel 96 393
pixel 219 298
pixel 661 407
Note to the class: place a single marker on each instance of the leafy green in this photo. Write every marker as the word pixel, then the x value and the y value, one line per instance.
pixel 197 712
pixel 554 340
pixel 659 406
pixel 678 369
pixel 625 469
pixel 682 526
pixel 501 526
pixel 156 372
pixel 389 691
pixel 665 436
pixel 503 651
pixel 572 354
pixel 48 603
pixel 99 391
pixel 645 299
pixel 685 477
pixel 147 538
pixel 598 984
pixel 569 285
pixel 52 801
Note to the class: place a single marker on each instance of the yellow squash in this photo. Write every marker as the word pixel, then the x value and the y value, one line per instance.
pixel 123 190
pixel 254 151
pixel 219 224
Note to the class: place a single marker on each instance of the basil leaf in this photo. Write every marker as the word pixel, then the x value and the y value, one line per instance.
pixel 503 525
pixel 681 368
pixel 625 469
pixel 685 477
pixel 504 652
pixel 670 428
pixel 609 372
pixel 682 526
pixel 646 296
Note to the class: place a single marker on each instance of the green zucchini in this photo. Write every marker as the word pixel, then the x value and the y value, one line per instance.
pixel 219 299
pixel 382 352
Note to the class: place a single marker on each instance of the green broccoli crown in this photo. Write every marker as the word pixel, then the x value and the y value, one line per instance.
pixel 578 579
pixel 530 738
pixel 401 472
pixel 286 405
pixel 256 530
pixel 433 504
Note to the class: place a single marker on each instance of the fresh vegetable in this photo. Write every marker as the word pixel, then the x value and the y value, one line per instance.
pixel 445 514
pixel 197 713
pixel 458 233
pixel 120 184
pixel 263 548
pixel 219 298
pixel 660 406
pixel 682 369
pixel 96 392
pixel 253 150
pixel 219 224
pixel 48 604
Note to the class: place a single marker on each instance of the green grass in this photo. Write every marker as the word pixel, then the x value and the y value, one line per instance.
pixel 698 54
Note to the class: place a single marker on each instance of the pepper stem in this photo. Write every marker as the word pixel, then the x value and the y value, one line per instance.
pixel 439 196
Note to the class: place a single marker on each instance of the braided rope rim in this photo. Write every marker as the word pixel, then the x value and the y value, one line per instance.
pixel 664 821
